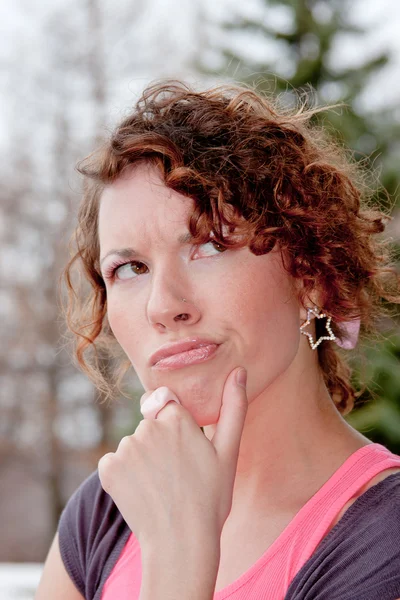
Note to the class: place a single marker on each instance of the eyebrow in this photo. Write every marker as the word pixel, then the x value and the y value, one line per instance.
pixel 185 238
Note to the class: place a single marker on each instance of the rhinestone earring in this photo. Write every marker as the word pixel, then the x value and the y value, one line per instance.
pixel 319 315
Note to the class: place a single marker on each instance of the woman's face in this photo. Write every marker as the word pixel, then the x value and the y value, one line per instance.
pixel 242 301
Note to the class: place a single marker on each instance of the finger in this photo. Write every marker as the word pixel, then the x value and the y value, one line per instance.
pixel 144 396
pixel 155 401
pixel 227 436
pixel 170 407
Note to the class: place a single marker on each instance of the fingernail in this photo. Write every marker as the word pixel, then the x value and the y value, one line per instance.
pixel 241 378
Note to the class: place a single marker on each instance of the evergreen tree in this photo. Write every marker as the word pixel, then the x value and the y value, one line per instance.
pixel 305 39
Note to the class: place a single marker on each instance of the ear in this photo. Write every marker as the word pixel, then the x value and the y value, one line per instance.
pixel 312 299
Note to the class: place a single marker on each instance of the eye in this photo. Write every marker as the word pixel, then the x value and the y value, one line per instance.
pixel 119 268
pixel 216 245
pixel 129 267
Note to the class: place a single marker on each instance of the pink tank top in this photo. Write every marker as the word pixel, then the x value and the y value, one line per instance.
pixel 270 576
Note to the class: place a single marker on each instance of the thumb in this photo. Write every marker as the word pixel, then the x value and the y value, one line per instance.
pixel 227 436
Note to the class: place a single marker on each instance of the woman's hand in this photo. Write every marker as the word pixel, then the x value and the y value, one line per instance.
pixel 170 483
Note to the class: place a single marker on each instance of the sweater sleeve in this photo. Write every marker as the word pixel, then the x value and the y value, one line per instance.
pixel 359 559
pixel 92 533
pixel 73 527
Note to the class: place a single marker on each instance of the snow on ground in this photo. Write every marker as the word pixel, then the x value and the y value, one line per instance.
pixel 18 581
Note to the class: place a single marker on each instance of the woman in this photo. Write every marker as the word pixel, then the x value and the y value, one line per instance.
pixel 232 233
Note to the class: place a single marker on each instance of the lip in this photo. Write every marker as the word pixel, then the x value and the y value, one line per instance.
pixel 188 358
pixel 178 347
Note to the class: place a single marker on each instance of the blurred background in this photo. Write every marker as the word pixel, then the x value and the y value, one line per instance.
pixel 69 70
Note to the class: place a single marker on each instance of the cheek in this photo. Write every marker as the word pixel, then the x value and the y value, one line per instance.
pixel 123 327
pixel 266 310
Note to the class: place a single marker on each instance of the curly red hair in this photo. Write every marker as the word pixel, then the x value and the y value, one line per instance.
pixel 248 163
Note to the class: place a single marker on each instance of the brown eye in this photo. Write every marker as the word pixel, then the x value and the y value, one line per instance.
pixel 132 266
pixel 216 245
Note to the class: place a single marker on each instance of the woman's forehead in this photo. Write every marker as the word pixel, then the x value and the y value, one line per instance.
pixel 142 195
pixel 137 216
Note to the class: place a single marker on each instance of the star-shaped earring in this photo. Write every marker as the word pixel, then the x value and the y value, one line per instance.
pixel 318 315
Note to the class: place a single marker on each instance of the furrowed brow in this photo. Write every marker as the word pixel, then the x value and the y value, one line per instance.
pixel 132 253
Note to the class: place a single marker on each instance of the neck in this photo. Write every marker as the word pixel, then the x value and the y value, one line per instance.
pixel 293 440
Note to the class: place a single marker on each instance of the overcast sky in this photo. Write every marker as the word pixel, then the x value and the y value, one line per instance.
pixel 20 34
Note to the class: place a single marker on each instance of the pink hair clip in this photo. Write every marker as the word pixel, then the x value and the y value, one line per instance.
pixel 352 330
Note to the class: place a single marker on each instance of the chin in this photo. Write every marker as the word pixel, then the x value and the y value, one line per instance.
pixel 205 416
pixel 200 391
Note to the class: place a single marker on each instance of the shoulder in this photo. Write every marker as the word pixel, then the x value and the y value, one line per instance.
pixel 379 477
pixel 85 507
pixel 359 559
pixel 90 529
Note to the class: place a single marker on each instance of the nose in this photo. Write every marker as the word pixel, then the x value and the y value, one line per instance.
pixel 171 301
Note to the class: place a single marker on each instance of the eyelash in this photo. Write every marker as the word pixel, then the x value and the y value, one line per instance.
pixel 111 270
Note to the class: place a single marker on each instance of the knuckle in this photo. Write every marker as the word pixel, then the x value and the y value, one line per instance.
pixel 105 469
pixel 125 443
pixel 105 461
pixel 176 420
pixel 145 425
pixel 177 415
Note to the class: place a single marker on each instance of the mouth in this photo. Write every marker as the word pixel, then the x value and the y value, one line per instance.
pixel 185 359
